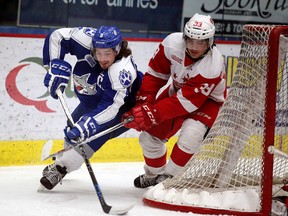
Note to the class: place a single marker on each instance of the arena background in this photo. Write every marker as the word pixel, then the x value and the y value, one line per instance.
pixel 29 117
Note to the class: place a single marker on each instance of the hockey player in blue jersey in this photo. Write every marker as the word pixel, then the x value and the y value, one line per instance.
pixel 105 81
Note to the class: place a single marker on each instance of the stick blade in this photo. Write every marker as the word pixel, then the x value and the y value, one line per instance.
pixel 120 210
pixel 46 149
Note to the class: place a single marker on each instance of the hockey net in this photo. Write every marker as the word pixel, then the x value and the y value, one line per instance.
pixel 233 173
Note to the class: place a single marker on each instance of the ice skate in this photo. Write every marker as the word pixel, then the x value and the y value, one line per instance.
pixel 143 181
pixel 52 175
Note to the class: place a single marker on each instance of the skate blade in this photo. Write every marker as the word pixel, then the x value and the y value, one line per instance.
pixel 41 189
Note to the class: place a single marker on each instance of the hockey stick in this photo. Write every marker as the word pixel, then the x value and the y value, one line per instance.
pixel 106 208
pixel 65 107
pixel 273 150
pixel 46 154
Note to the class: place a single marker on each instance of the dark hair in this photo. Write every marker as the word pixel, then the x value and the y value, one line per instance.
pixel 124 51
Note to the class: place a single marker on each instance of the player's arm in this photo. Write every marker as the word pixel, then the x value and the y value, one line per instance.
pixel 60 42
pixel 110 104
pixel 186 100
pixel 56 45
pixel 156 77
pixel 75 41
pixel 116 88
pixel 94 121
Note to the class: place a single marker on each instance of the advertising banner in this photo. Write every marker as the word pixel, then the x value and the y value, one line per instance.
pixel 230 15
pixel 150 17
pixel 134 16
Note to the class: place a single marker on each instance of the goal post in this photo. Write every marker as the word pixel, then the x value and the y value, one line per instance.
pixel 233 173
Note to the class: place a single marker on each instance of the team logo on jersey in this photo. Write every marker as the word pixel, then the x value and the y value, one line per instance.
pixel 82 85
pixel 125 78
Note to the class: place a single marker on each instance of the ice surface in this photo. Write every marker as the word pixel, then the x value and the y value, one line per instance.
pixel 76 196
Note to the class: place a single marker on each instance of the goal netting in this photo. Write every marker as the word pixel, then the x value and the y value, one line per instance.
pixel 232 172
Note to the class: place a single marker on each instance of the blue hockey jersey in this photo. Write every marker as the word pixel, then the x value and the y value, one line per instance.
pixel 103 94
pixel 102 91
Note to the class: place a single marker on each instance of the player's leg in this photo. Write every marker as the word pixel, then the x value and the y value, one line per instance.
pixel 68 162
pixel 153 144
pixel 72 160
pixel 190 139
pixel 191 136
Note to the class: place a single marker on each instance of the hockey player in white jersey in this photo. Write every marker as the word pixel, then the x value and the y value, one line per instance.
pixel 105 81
pixel 189 104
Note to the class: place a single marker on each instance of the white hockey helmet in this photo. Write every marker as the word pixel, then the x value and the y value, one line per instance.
pixel 200 27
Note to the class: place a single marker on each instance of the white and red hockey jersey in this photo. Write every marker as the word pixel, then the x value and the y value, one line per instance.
pixel 192 81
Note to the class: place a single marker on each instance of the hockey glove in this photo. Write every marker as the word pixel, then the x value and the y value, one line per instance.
pixel 83 129
pixel 57 76
pixel 145 117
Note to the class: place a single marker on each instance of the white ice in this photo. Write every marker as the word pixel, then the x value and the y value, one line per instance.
pixel 76 196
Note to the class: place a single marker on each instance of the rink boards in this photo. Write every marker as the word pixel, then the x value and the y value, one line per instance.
pixel 115 150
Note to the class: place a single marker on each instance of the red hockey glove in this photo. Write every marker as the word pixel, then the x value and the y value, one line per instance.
pixel 145 116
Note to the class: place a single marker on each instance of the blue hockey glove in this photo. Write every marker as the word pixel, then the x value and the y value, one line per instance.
pixel 57 76
pixel 83 129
